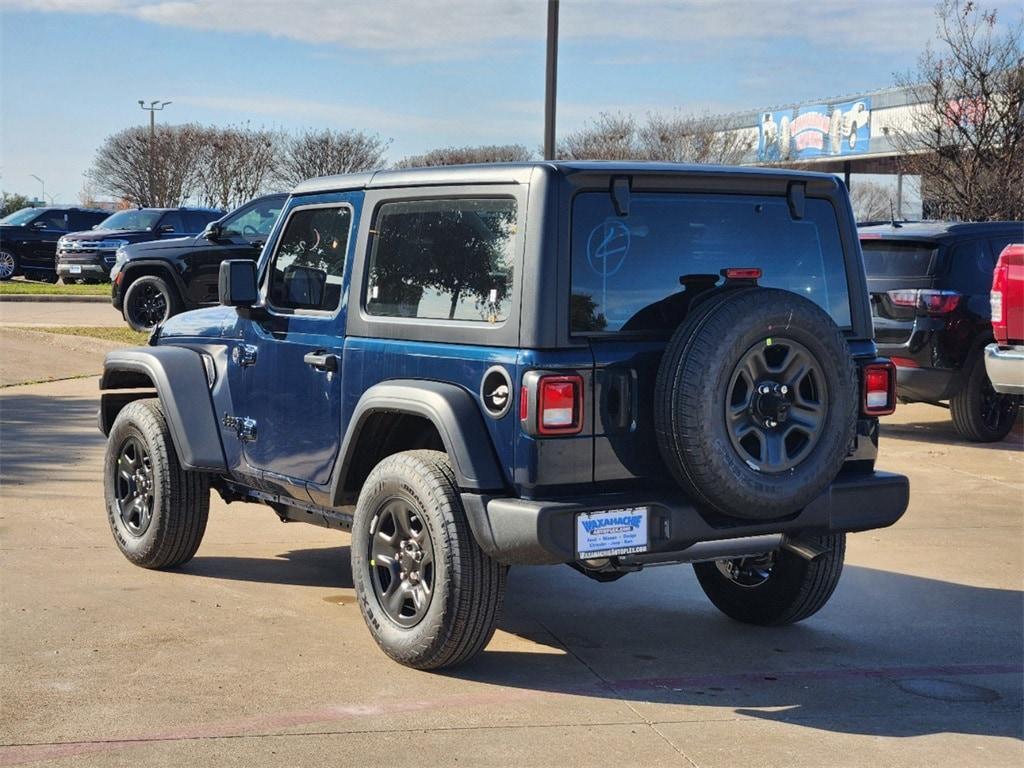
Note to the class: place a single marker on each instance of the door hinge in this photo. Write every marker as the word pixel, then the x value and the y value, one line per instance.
pixel 244 427
pixel 244 354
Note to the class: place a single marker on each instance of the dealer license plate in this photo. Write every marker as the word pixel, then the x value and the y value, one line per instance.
pixel 75 269
pixel 611 532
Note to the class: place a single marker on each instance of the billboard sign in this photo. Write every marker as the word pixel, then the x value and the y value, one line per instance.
pixel 815 131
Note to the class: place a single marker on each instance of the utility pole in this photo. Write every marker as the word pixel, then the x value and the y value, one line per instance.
pixel 42 183
pixel 154 107
pixel 551 81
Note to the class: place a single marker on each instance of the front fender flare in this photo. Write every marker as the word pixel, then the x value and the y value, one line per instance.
pixel 179 377
pixel 451 409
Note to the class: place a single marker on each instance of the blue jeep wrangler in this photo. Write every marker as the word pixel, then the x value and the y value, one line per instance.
pixel 607 365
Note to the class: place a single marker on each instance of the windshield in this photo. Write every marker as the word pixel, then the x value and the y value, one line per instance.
pixel 640 272
pixel 22 217
pixel 885 258
pixel 131 220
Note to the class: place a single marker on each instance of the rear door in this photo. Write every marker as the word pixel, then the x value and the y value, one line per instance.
pixel 635 276
pixel 895 269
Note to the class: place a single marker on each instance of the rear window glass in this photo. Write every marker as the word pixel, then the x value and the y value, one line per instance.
pixel 884 258
pixel 443 260
pixel 640 272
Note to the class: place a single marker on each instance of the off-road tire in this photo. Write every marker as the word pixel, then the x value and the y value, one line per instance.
pixel 180 498
pixel 968 407
pixel 691 392
pixel 794 590
pixel 149 283
pixel 468 586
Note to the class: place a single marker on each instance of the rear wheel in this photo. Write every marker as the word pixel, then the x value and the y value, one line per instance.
pixel 8 265
pixel 981 414
pixel 149 301
pixel 780 587
pixel 429 595
pixel 157 510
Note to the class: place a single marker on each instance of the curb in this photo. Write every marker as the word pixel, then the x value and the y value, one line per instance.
pixel 44 297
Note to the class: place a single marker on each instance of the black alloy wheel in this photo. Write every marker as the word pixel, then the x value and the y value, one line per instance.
pixel 148 305
pixel 133 495
pixel 401 557
pixel 776 406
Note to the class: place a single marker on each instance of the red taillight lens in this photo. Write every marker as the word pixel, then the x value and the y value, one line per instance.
pixel 560 405
pixel 926 300
pixel 999 281
pixel 742 273
pixel 879 389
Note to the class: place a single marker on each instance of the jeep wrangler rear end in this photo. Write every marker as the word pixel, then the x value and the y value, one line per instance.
pixel 605 365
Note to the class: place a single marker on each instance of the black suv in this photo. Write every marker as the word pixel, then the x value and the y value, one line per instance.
pixel 929 284
pixel 89 256
pixel 28 238
pixel 608 365
pixel 155 280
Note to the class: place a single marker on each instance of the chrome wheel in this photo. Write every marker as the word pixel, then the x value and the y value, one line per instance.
pixel 8 265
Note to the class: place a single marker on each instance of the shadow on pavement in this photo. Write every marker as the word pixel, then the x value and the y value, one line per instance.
pixel 943 432
pixel 888 644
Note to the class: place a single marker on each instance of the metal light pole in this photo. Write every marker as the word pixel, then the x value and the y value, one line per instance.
pixel 42 183
pixel 154 107
pixel 551 81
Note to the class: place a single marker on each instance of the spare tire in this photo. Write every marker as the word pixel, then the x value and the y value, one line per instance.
pixel 756 403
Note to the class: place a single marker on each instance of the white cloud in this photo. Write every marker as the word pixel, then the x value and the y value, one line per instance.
pixel 467 28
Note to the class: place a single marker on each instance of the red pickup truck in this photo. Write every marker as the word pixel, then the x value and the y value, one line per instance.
pixel 1004 360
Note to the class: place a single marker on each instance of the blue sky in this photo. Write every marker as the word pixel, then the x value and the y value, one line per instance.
pixel 424 74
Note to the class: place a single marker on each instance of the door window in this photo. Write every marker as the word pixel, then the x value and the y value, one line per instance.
pixel 310 259
pixel 254 221
pixel 53 220
pixel 174 221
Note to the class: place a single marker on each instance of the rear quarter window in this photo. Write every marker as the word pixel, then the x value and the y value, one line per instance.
pixel 640 272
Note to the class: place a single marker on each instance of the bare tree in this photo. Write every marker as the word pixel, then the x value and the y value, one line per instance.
pixel 870 201
pixel 673 137
pixel 238 164
pixel 324 152
pixel 121 166
pixel 966 137
pixel 488 153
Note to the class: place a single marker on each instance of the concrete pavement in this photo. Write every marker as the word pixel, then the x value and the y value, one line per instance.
pixel 254 653
pixel 29 313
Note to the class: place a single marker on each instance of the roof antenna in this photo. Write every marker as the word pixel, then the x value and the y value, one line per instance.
pixel 892 215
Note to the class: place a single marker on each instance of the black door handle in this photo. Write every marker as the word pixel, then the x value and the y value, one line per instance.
pixel 321 361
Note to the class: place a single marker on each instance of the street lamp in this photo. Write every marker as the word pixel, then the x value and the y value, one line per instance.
pixel 154 106
pixel 42 183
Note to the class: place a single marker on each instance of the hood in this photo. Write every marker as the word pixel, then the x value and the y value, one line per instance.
pixel 149 247
pixel 206 322
pixel 96 235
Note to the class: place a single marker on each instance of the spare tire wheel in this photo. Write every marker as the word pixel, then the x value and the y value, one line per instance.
pixel 756 403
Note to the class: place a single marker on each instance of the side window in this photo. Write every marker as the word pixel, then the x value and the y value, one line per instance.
pixel 172 219
pixel 255 221
pixel 971 267
pixel 55 220
pixel 310 260
pixel 196 221
pixel 443 260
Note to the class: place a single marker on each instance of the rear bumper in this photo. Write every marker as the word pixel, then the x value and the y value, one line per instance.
pixel 522 532
pixel 926 384
pixel 1005 368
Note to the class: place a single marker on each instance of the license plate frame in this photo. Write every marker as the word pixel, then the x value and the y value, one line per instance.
pixel 612 532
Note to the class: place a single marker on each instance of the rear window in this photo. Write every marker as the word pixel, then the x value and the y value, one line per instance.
pixel 640 272
pixel 885 258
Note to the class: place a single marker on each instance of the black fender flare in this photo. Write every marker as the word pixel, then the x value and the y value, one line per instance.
pixel 179 377
pixel 451 409
pixel 164 265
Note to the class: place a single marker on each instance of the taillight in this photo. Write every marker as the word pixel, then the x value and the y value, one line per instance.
pixel 879 389
pixel 926 300
pixel 999 281
pixel 559 405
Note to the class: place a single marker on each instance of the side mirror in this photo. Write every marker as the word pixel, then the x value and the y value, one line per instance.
pixel 213 231
pixel 166 229
pixel 236 284
pixel 39 225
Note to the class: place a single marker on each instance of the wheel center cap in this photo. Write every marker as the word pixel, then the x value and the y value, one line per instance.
pixel 771 403
pixel 409 557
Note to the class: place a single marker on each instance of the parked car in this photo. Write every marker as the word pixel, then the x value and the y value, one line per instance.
pixel 1004 358
pixel 929 284
pixel 89 256
pixel 606 365
pixel 155 280
pixel 28 238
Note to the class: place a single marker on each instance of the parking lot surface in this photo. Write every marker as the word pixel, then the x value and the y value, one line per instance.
pixel 254 653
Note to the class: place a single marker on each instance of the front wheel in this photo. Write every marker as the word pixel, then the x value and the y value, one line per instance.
pixel 8 265
pixel 981 414
pixel 429 595
pixel 778 588
pixel 149 301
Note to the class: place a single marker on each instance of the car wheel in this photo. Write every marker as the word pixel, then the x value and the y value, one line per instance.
pixel 149 301
pixel 428 593
pixel 157 510
pixel 755 403
pixel 981 414
pixel 8 265
pixel 774 589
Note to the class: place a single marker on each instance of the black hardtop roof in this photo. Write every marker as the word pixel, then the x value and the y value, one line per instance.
pixel 520 173
pixel 940 230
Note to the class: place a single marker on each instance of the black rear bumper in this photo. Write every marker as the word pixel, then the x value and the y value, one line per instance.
pixel 522 532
